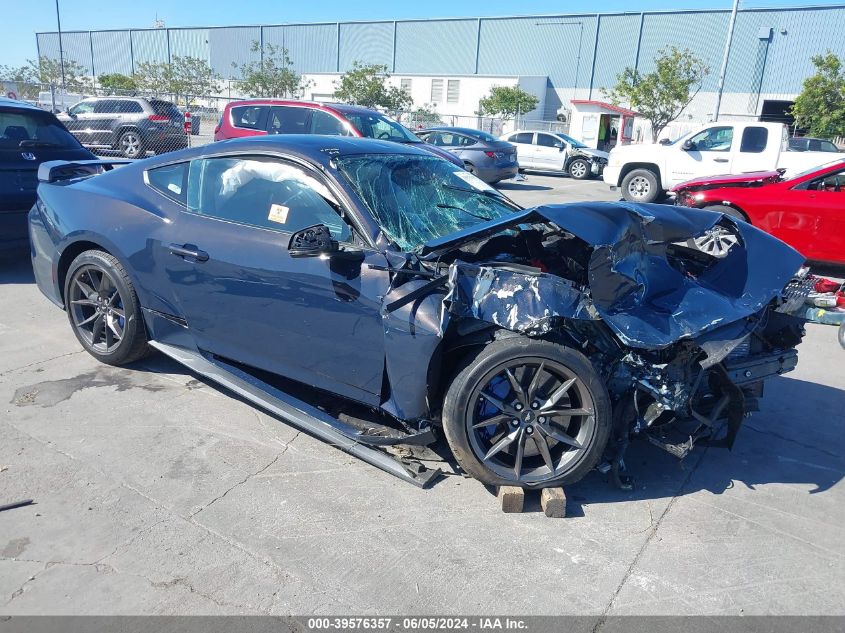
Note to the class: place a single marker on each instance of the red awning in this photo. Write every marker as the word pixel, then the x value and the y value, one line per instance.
pixel 605 106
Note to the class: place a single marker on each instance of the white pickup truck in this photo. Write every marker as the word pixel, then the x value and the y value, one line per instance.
pixel 645 172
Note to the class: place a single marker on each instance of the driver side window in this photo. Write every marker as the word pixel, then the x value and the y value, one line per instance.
pixel 263 192
pixel 714 139
pixel 547 140
pixel 834 182
pixel 83 107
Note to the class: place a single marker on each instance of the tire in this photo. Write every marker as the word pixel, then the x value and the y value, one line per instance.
pixel 99 294
pixel 131 145
pixel 470 168
pixel 520 418
pixel 842 334
pixel 730 211
pixel 641 185
pixel 579 169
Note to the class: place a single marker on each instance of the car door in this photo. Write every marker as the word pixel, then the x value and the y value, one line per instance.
pixel 549 151
pixel 707 153
pixel 78 121
pixel 525 155
pixel 289 120
pixel 245 298
pixel 819 206
pixel 106 112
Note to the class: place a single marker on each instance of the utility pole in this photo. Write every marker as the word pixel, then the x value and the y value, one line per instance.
pixel 61 51
pixel 725 61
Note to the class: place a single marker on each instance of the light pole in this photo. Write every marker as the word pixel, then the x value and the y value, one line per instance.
pixel 725 62
pixel 61 51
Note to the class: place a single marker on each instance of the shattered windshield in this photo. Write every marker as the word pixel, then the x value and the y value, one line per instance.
pixel 416 199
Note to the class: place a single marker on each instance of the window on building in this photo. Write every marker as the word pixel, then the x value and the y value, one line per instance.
pixel 405 85
pixel 453 90
pixel 436 90
pixel 263 192
pixel 754 140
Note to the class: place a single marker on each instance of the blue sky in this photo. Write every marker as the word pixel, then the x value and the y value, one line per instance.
pixel 23 18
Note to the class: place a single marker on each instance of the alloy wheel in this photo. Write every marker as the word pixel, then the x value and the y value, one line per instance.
pixel 639 187
pixel 97 308
pixel 717 241
pixel 130 144
pixel 578 170
pixel 531 420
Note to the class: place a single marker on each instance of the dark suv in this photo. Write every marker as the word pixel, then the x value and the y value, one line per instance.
pixel 131 125
pixel 29 136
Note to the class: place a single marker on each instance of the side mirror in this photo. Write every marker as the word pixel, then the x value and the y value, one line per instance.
pixel 688 145
pixel 664 141
pixel 561 147
pixel 312 241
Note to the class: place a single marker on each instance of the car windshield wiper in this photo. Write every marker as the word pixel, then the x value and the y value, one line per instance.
pixel 452 206
pixel 36 143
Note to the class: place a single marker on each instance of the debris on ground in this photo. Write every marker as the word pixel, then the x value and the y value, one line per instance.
pixel 826 303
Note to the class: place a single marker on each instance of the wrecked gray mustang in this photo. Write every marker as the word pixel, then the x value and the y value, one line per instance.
pixel 374 295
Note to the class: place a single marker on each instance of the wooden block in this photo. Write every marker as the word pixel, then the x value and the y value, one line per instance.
pixel 553 501
pixel 512 498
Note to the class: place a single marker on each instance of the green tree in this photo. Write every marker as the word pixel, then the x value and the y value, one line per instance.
pixel 507 102
pixel 663 94
pixel 367 85
pixel 820 108
pixel 25 79
pixel 153 77
pixel 117 83
pixel 183 78
pixel 271 76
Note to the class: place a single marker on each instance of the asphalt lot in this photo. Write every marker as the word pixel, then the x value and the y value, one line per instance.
pixel 159 494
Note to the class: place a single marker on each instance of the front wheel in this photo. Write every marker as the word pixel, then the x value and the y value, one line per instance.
pixel 842 334
pixel 579 169
pixel 103 309
pixel 640 185
pixel 527 413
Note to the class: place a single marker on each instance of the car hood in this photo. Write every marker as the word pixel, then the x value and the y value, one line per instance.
pixel 589 151
pixel 755 177
pixel 638 280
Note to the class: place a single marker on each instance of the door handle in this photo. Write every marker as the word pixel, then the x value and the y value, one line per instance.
pixel 720 160
pixel 188 250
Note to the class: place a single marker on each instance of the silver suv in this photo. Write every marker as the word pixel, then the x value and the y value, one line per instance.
pixel 131 125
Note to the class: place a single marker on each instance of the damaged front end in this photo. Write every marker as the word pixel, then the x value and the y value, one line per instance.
pixel 683 338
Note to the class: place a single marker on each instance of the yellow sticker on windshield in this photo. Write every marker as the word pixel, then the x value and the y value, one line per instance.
pixel 278 213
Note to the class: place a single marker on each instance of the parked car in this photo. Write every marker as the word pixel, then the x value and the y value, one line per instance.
pixel 807 144
pixel 258 117
pixel 131 125
pixel 553 151
pixel 483 154
pixel 29 136
pixel 412 296
pixel 806 211
pixel 646 172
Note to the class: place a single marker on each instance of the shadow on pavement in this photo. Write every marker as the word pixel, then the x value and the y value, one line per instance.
pixel 775 446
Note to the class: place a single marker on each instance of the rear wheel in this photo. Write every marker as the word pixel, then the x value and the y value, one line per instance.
pixel 640 185
pixel 103 309
pixel 527 413
pixel 842 334
pixel 579 169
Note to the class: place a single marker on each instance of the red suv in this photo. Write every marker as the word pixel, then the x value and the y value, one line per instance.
pixel 277 116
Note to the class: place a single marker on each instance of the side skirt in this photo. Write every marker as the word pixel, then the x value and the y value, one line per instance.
pixel 304 416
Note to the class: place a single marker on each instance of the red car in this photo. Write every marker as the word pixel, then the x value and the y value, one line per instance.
pixel 278 116
pixel 806 211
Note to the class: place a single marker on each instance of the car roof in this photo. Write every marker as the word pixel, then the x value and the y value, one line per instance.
pixel 339 108
pixel 450 128
pixel 14 103
pixel 314 148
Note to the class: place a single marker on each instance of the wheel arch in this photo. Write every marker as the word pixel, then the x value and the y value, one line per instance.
pixel 87 243
pixel 726 203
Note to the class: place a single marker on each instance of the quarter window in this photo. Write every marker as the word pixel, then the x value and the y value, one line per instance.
pixel 171 181
pixel 714 139
pixel 265 193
